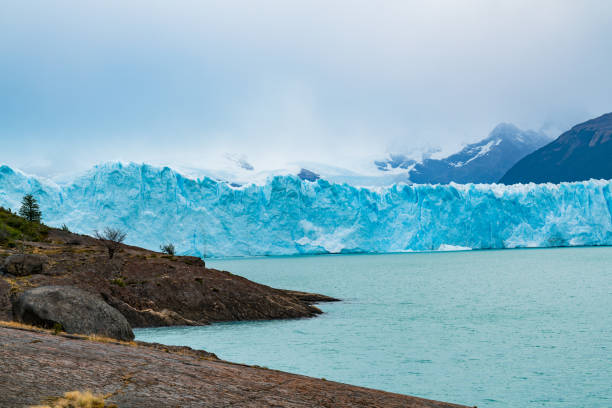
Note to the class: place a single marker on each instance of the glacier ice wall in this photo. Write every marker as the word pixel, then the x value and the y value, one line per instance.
pixel 290 216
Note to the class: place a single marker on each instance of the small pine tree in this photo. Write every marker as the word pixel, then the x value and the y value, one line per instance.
pixel 30 210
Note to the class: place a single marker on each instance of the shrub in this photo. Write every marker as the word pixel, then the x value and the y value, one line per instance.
pixel 14 228
pixel 65 228
pixel 79 399
pixel 112 239
pixel 57 328
pixel 168 249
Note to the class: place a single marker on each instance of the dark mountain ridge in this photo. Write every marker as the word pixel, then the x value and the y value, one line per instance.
pixel 584 152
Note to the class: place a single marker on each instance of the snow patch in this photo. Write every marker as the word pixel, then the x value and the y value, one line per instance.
pixel 480 151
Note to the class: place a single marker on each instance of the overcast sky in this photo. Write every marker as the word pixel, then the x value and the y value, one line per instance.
pixel 188 82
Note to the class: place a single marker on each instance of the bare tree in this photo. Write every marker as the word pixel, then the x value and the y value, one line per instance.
pixel 111 238
pixel 168 249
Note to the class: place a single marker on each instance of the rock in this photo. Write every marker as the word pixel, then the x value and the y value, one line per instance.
pixel 150 289
pixel 192 260
pixel 309 297
pixel 24 264
pixel 76 310
pixel 308 175
pixel 74 241
pixel 37 365
pixel 149 317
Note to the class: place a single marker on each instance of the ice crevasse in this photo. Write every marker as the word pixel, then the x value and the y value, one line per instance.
pixel 287 215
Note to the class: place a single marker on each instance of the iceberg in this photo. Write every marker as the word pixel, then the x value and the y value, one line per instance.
pixel 287 215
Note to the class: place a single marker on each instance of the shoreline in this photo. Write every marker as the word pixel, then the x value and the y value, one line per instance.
pixel 149 288
pixel 406 252
pixel 42 366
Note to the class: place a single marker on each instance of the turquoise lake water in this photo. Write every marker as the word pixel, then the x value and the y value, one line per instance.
pixel 507 328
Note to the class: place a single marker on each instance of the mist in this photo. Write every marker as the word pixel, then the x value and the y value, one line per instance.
pixel 191 83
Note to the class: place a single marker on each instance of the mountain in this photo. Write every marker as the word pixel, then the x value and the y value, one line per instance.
pixel 287 215
pixel 582 153
pixel 482 162
pixel 308 175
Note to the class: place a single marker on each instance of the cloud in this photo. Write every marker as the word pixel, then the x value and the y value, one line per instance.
pixel 338 81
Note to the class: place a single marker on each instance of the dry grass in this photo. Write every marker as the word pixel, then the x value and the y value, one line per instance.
pixel 18 280
pixel 79 399
pixel 92 337
pixel 17 325
pixel 46 251
pixel 18 284
pixel 102 339
pixel 86 250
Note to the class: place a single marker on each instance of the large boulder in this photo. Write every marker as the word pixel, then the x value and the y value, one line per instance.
pixel 76 310
pixel 24 264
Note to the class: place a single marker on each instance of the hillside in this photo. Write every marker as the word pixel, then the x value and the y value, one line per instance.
pixel 582 153
pixel 147 287
pixel 13 228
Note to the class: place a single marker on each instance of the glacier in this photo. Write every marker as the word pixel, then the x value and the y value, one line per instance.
pixel 287 216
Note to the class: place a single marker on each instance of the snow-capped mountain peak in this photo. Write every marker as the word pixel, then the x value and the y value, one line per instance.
pixel 481 162
pixel 477 151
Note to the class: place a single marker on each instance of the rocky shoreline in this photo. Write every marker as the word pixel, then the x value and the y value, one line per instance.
pixel 38 366
pixel 150 289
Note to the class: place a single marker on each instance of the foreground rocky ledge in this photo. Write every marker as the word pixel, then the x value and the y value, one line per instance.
pixel 37 365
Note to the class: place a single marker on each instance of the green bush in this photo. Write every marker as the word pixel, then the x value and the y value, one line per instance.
pixel 57 328
pixel 14 228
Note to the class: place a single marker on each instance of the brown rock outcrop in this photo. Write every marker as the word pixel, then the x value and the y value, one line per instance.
pixel 152 289
pixel 39 365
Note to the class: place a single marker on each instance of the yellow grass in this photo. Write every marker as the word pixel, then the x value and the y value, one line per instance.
pixel 92 337
pixel 17 284
pixel 18 325
pixel 78 399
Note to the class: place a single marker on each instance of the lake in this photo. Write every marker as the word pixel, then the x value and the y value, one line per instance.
pixel 498 328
